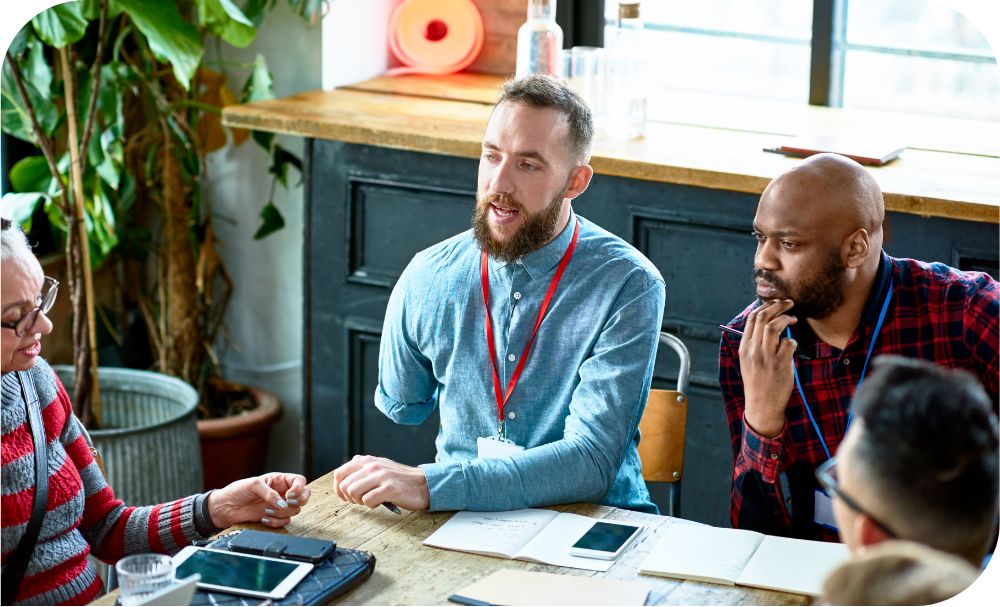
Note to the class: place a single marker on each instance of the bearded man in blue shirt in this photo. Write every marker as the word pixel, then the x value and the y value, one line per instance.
pixel 534 333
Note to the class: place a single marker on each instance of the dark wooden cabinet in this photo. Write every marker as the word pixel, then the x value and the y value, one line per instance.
pixel 370 209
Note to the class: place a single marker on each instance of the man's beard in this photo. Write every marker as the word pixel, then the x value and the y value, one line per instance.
pixel 816 296
pixel 535 230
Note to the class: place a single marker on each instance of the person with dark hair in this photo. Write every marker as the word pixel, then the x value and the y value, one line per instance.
pixel 919 464
pixel 829 300
pixel 533 334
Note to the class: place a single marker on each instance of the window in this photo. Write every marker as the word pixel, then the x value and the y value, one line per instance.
pixel 915 56
pixel 750 48
pixel 918 57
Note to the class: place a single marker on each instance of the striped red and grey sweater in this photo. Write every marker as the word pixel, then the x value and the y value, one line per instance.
pixel 82 515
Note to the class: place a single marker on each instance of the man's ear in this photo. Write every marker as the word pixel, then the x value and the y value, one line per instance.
pixel 856 247
pixel 579 180
pixel 869 533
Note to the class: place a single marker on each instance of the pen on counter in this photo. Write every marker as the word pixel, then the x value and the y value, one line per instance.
pixel 392 507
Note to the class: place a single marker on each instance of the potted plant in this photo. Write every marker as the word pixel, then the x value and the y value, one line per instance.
pixel 121 101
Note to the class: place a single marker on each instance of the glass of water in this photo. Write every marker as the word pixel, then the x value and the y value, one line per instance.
pixel 140 575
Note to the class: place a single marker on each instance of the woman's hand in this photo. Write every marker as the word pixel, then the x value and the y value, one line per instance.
pixel 271 499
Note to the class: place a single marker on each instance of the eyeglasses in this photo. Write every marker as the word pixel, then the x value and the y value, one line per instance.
pixel 50 287
pixel 826 474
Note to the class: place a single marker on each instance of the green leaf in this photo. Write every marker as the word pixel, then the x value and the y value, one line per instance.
pixel 20 207
pixel 20 41
pixel 263 139
pixel 227 21
pixel 279 164
pixel 92 9
pixel 170 37
pixel 271 221
pixel 111 157
pixel 30 174
pixel 258 85
pixel 38 70
pixel 255 9
pixel 15 117
pixel 60 25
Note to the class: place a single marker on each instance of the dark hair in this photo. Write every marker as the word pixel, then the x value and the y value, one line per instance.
pixel 544 91
pixel 929 450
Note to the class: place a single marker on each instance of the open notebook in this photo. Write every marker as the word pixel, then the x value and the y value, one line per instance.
pixel 541 536
pixel 747 558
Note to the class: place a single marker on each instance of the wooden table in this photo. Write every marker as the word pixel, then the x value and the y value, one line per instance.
pixel 409 573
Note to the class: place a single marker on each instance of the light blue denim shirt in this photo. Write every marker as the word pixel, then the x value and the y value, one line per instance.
pixel 583 389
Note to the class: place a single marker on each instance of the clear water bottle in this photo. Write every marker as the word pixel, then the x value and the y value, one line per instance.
pixel 539 40
pixel 627 75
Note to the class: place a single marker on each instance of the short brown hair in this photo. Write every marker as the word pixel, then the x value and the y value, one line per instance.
pixel 544 91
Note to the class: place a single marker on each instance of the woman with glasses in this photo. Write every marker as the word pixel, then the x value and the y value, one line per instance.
pixel 49 527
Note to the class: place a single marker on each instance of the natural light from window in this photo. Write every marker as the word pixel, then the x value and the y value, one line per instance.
pixel 913 56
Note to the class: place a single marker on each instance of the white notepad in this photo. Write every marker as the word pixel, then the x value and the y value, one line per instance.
pixel 541 536
pixel 746 558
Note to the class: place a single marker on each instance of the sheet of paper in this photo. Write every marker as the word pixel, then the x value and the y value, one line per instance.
pixel 552 544
pixel 704 553
pixel 514 587
pixel 494 533
pixel 790 565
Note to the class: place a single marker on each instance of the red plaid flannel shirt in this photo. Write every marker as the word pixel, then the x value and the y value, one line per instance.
pixel 937 313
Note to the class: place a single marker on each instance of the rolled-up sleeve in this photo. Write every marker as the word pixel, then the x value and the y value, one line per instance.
pixel 407 388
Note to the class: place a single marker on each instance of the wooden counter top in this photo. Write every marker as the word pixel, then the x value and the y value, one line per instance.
pixel 950 169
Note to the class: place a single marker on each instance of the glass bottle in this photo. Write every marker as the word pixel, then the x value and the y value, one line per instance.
pixel 627 75
pixel 539 40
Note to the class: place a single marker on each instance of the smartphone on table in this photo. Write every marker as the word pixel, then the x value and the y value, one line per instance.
pixel 244 574
pixel 605 540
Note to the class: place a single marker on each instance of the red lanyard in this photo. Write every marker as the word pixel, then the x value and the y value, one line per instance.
pixel 500 395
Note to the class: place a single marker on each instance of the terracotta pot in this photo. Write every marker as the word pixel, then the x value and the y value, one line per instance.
pixel 235 447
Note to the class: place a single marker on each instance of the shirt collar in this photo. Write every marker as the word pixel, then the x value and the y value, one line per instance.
pixel 539 262
pixel 880 287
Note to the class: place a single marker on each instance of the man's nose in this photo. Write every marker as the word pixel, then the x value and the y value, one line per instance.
pixel 500 180
pixel 765 258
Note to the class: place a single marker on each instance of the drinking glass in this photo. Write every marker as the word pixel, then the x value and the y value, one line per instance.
pixel 140 575
pixel 583 70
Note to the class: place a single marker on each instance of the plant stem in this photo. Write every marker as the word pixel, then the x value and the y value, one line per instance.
pixel 95 81
pixel 76 180
pixel 44 143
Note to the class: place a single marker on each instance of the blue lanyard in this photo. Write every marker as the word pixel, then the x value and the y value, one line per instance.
pixel 864 369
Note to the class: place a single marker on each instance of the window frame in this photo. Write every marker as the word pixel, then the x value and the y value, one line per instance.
pixel 828 45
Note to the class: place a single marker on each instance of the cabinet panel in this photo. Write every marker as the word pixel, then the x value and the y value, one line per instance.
pixel 391 220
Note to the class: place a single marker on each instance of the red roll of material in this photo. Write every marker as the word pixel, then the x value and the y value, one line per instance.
pixel 435 36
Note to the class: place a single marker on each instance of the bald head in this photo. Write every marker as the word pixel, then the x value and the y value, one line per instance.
pixel 832 192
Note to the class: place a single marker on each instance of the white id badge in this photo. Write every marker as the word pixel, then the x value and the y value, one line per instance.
pixel 823 511
pixel 492 447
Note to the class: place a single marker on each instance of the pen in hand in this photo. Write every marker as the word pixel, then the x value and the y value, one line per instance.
pixel 731 330
pixel 740 333
pixel 392 507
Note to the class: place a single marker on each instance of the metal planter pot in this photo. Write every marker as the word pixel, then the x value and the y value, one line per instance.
pixel 150 438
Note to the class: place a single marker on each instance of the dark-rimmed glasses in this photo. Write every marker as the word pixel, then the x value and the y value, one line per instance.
pixel 826 474
pixel 50 287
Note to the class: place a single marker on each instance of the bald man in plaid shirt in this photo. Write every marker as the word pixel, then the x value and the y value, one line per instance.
pixel 829 300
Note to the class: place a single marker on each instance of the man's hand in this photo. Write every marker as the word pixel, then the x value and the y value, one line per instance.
pixel 370 480
pixel 271 499
pixel 766 366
